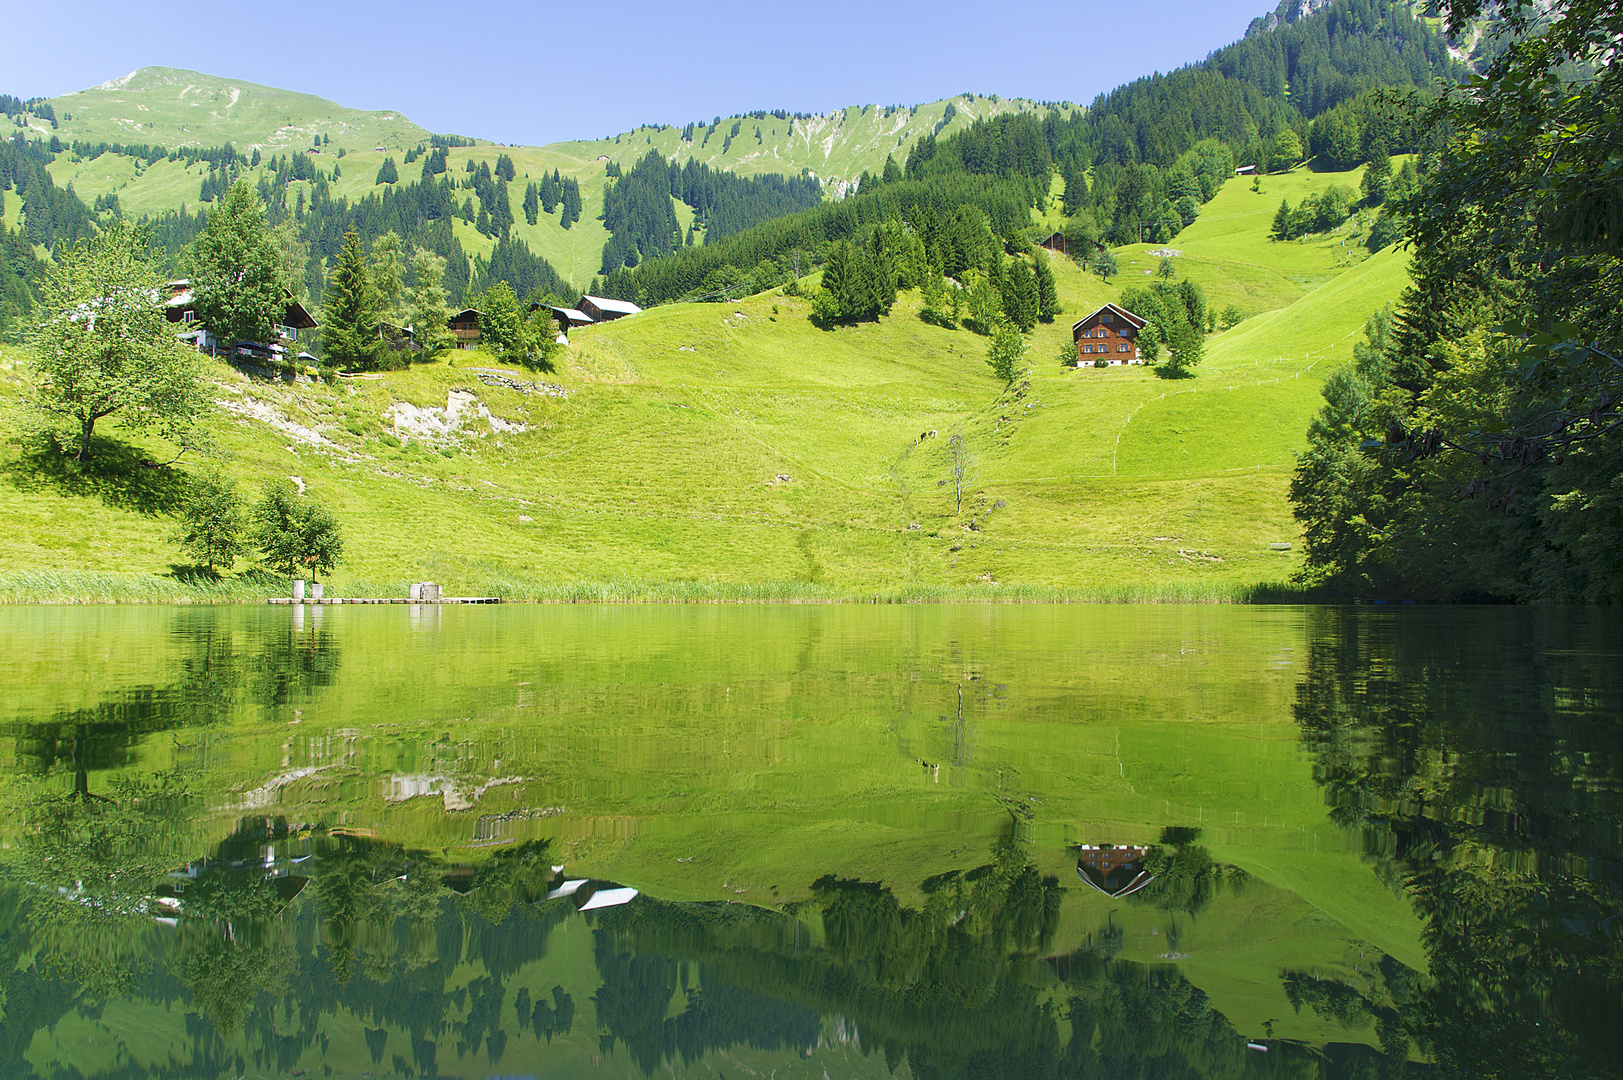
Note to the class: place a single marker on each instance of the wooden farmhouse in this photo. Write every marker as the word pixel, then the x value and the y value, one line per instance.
pixel 181 308
pixel 602 309
pixel 1109 335
pixel 464 327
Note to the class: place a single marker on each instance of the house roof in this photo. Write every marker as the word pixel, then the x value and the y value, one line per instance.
pixel 466 313
pixel 1137 322
pixel 603 303
pixel 297 317
pixel 572 315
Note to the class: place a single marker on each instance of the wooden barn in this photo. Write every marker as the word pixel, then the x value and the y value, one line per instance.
pixel 602 309
pixel 1109 334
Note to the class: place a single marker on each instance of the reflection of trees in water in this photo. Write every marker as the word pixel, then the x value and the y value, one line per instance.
pixel 1184 877
pixel 220 669
pixel 377 935
pixel 1480 760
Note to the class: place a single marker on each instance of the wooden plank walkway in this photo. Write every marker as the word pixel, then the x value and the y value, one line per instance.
pixel 385 600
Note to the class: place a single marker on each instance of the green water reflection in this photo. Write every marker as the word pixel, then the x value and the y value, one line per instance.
pixel 866 842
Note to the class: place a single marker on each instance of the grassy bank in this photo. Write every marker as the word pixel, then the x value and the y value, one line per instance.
pixel 92 587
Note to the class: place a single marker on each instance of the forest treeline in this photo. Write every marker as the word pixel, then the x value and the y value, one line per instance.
pixel 1472 451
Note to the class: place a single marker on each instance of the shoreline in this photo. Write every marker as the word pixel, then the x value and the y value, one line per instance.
pixel 79 588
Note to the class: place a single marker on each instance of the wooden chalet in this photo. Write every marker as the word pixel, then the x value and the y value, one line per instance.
pixel 603 309
pixel 464 327
pixel 1114 871
pixel 181 308
pixel 1109 334
pixel 398 338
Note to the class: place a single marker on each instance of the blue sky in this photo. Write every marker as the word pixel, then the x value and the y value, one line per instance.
pixel 532 74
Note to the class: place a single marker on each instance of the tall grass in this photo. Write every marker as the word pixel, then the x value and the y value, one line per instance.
pixel 91 587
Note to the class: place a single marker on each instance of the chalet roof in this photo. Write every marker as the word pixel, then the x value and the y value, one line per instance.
pixel 466 313
pixel 1137 322
pixel 572 315
pixel 603 303
pixel 297 317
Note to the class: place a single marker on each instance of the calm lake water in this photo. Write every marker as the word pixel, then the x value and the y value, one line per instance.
pixel 863 842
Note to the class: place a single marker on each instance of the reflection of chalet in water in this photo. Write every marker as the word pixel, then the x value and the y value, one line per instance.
pixel 1114 871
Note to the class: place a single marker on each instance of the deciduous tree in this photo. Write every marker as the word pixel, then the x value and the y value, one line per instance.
pixel 213 522
pixel 238 285
pixel 104 348
pixel 294 532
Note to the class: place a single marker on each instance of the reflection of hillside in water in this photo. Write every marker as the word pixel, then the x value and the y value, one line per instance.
pixel 446 966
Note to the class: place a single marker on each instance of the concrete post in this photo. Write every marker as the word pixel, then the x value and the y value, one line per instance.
pixel 431 591
pixel 415 593
pixel 298 590
pixel 316 590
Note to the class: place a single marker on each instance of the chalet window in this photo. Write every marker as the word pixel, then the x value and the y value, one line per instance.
pixel 1108 317
pixel 1121 348
pixel 188 317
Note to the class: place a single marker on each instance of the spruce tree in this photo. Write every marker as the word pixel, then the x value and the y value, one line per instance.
pixel 532 204
pixel 549 192
pixel 893 171
pixel 350 318
pixel 1047 291
pixel 571 203
pixel 837 275
pixel 1282 222
pixel 388 174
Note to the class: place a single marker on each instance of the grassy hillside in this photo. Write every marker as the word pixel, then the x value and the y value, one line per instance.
pixel 739 450
pixel 175 107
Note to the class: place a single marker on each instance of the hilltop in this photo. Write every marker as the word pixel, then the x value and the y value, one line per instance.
pixel 177 108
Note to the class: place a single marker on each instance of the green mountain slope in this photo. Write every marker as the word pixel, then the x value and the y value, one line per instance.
pixel 174 107
pixel 836 147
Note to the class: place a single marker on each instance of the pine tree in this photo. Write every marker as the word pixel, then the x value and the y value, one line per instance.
pixel 482 223
pixel 350 317
pixel 504 168
pixel 893 171
pixel 549 192
pixel 388 174
pixel 1282 222
pixel 1047 291
pixel 532 204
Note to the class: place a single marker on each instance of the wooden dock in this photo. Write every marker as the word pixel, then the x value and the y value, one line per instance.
pixel 325 600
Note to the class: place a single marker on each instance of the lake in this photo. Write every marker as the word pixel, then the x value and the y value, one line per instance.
pixel 811 841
